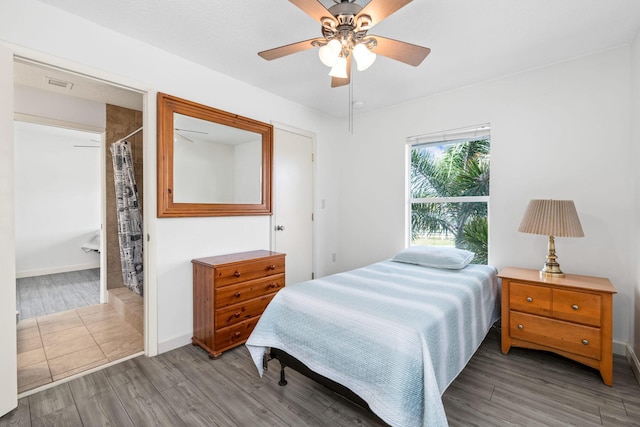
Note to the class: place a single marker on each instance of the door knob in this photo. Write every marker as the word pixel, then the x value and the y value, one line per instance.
pixel 279 227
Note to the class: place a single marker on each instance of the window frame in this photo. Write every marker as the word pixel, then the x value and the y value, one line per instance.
pixel 454 136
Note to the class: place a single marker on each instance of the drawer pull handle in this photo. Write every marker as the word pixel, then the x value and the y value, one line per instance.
pixel 236 314
pixel 237 295
pixel 272 267
pixel 273 285
pixel 235 335
pixel 529 299
pixel 520 326
pixel 237 273
pixel 585 342
pixel 575 306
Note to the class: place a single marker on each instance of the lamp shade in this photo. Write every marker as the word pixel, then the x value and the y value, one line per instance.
pixel 551 218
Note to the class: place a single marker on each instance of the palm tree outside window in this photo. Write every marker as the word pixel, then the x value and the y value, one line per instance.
pixel 448 182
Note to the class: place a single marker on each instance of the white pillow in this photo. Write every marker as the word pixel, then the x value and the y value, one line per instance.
pixel 435 256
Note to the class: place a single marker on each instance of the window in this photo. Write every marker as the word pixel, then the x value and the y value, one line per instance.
pixel 448 185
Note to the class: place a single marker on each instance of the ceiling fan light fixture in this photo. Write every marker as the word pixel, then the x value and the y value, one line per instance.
pixel 330 53
pixel 363 56
pixel 347 23
pixel 339 70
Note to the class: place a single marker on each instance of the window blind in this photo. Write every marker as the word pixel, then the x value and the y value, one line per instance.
pixel 452 136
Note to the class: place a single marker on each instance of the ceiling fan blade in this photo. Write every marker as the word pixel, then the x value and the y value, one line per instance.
pixel 400 51
pixel 279 52
pixel 380 9
pixel 180 137
pixel 314 9
pixel 337 81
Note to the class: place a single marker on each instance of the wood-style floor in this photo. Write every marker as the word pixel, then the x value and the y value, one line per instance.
pixel 53 293
pixel 185 387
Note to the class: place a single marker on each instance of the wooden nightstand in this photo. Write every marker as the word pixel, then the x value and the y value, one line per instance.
pixel 570 316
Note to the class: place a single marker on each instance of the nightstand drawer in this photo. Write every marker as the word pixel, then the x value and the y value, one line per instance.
pixel 576 339
pixel 577 307
pixel 530 299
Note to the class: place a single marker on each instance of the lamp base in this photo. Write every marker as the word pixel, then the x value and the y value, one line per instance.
pixel 551 275
pixel 551 267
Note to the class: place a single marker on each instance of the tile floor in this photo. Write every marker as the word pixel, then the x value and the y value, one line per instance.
pixel 58 345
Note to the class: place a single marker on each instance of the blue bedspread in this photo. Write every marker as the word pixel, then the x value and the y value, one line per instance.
pixel 395 334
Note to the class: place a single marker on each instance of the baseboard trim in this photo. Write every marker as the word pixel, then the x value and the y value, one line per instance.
pixel 174 343
pixel 620 348
pixel 56 270
pixel 633 362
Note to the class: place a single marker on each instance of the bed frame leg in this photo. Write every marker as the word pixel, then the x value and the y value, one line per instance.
pixel 282 381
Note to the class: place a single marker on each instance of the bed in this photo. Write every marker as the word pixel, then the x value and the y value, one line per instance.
pixel 394 334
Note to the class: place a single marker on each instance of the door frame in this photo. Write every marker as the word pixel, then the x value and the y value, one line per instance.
pixel 8 53
pixel 19 117
pixel 8 349
pixel 272 224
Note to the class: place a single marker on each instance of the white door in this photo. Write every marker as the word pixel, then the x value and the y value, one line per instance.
pixel 293 202
pixel 8 358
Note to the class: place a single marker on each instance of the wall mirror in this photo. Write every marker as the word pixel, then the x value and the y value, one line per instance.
pixel 211 162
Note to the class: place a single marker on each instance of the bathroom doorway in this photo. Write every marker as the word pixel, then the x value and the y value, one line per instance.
pixel 68 334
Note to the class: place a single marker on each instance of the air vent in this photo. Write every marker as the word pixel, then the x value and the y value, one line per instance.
pixel 59 83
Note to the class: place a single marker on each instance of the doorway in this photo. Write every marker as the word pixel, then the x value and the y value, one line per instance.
pixel 293 213
pixel 57 218
pixel 53 347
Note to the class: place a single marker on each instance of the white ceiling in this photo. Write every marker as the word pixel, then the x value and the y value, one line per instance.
pixel 471 41
pixel 41 77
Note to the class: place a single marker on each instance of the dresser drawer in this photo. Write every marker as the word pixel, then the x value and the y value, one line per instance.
pixel 576 339
pixel 240 312
pixel 233 294
pixel 577 307
pixel 241 272
pixel 230 292
pixel 236 334
pixel 530 299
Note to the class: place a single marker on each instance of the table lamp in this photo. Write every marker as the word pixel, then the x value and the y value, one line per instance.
pixel 551 218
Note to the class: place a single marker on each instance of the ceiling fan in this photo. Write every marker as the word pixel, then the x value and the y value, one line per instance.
pixel 344 35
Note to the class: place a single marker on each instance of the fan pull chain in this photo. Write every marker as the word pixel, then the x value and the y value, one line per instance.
pixel 351 104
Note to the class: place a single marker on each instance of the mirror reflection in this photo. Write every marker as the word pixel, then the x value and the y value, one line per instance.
pixel 214 163
pixel 211 162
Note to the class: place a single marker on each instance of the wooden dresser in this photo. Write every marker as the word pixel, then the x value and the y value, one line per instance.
pixel 230 292
pixel 570 316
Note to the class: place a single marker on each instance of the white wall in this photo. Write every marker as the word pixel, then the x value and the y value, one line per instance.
pixel 59 107
pixel 247 172
pixel 77 43
pixel 57 198
pixel 201 171
pixel 635 155
pixel 8 350
pixel 561 131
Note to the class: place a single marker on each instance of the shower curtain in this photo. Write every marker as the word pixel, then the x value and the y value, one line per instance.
pixel 129 217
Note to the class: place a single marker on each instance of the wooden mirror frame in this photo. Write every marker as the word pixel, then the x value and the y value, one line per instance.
pixel 167 106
